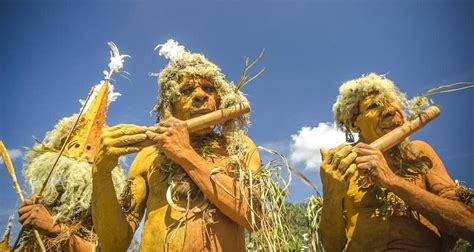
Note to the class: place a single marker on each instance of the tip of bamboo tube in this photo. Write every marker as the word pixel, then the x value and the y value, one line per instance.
pixel 432 111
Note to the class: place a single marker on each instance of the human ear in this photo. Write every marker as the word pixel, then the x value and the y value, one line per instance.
pixel 354 127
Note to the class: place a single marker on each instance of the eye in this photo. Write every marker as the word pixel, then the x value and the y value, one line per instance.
pixel 187 91
pixel 373 106
pixel 209 89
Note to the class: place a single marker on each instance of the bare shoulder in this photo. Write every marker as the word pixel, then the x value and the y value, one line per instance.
pixel 427 153
pixel 438 179
pixel 250 144
pixel 252 157
pixel 143 161
pixel 423 146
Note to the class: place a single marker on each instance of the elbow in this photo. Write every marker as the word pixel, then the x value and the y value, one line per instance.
pixel 114 244
pixel 331 244
pixel 325 240
pixel 466 232
pixel 114 239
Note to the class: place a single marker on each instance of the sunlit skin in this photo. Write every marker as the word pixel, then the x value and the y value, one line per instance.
pixel 36 216
pixel 375 120
pixel 115 231
pixel 433 195
pixel 198 97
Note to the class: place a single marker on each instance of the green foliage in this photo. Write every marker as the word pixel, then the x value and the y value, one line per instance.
pixel 299 235
pixel 463 246
pixel 298 224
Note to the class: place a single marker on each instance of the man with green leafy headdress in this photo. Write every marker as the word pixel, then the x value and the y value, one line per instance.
pixel 188 183
pixel 402 199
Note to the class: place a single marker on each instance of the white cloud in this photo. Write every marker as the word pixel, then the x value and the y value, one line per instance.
pixel 14 154
pixel 305 145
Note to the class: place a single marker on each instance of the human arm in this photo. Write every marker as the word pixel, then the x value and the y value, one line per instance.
pixel 335 171
pixel 173 139
pixel 113 226
pixel 450 216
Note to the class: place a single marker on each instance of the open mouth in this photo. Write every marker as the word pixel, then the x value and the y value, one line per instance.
pixel 390 128
pixel 392 124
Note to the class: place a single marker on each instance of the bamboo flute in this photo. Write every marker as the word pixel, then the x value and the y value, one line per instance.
pixel 399 134
pixel 205 121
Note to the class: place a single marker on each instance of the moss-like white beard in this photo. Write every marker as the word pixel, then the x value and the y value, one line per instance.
pixel 69 191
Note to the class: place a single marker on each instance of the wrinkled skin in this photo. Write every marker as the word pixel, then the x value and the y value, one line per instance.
pixel 36 216
pixel 115 228
pixel 347 216
pixel 337 167
pixel 376 120
pixel 198 97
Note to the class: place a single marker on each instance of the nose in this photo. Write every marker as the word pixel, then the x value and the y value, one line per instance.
pixel 390 111
pixel 199 98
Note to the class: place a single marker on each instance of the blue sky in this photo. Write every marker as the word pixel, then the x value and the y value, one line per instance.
pixel 53 52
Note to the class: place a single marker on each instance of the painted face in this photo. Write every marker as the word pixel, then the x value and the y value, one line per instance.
pixel 376 119
pixel 198 97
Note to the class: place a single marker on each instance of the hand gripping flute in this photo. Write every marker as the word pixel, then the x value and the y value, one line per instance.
pixel 205 121
pixel 399 134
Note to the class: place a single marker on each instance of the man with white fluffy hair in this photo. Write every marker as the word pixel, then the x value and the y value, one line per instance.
pixel 402 199
pixel 63 214
pixel 187 182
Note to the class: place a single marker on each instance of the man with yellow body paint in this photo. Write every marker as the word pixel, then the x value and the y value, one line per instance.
pixel 412 204
pixel 186 183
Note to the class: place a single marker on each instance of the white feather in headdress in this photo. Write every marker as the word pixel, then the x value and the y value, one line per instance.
pixel 171 50
pixel 115 66
pixel 116 60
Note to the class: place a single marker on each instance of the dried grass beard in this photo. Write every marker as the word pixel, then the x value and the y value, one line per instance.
pixel 69 191
pixel 182 184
